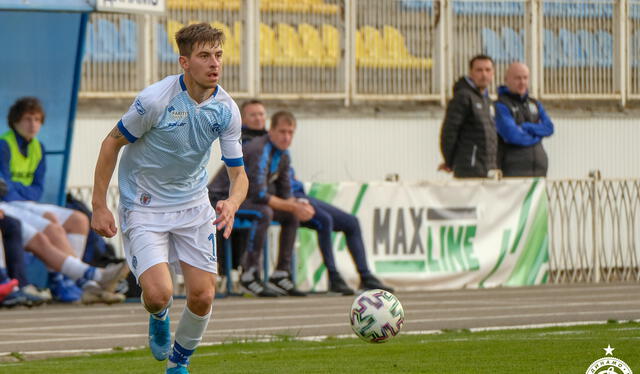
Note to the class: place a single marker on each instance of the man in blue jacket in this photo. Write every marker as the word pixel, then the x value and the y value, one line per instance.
pixel 522 123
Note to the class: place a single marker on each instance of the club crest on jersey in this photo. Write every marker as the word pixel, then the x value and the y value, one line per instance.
pixel 145 198
pixel 139 108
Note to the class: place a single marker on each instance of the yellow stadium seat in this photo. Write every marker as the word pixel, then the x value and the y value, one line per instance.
pixel 229 4
pixel 373 49
pixel 210 4
pixel 331 44
pixel 172 29
pixel 290 47
pixel 268 46
pixel 231 45
pixel 319 6
pixel 397 50
pixel 312 45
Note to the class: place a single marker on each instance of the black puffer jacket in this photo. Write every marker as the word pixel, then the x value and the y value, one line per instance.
pixel 468 139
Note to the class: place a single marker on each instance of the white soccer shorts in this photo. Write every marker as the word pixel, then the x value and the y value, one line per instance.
pixel 188 235
pixel 30 214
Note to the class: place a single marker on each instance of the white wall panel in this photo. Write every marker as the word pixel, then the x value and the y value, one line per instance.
pixel 367 149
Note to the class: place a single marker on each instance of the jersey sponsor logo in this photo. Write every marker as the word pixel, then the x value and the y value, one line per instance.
pixel 176 124
pixel 139 108
pixel 145 198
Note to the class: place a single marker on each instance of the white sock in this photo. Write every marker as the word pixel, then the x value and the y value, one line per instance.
pixel 74 268
pixel 78 243
pixel 188 336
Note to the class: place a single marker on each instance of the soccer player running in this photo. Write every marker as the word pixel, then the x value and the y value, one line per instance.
pixel 165 215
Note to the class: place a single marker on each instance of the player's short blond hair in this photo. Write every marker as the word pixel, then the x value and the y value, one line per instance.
pixel 198 33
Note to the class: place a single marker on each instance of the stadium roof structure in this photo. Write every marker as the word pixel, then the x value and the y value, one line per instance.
pixel 42 45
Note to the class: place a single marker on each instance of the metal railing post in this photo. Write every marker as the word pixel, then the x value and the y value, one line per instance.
pixel 533 45
pixel 595 225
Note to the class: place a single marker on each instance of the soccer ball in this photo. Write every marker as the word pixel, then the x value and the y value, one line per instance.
pixel 376 316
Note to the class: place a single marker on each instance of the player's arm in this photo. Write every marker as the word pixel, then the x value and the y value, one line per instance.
pixel 102 220
pixel 226 209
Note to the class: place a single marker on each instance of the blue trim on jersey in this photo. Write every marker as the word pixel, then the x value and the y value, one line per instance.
pixel 275 161
pixel 232 162
pixel 126 133
pixel 215 92
pixel 182 85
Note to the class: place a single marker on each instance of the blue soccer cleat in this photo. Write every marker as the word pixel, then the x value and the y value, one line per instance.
pixel 160 337
pixel 178 370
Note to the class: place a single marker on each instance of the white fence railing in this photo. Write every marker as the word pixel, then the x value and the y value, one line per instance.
pixel 378 49
pixel 594 229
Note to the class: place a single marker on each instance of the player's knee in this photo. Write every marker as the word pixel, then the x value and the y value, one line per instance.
pixel 267 215
pixel 352 224
pixel 50 216
pixel 157 299
pixel 201 299
pixel 55 230
pixel 77 223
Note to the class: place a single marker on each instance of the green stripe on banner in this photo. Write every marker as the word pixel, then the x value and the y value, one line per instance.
pixel 354 211
pixel 400 266
pixel 536 249
pixel 524 214
pixel 503 251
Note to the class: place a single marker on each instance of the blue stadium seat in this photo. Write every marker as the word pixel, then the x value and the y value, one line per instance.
pixel 571 54
pixel 634 10
pixel 128 40
pixel 418 5
pixel 588 47
pixel 513 43
pixel 106 41
pixel 165 50
pixel 604 48
pixel 88 43
pixel 492 8
pixel 634 53
pixel 492 45
pixel 550 50
pixel 577 10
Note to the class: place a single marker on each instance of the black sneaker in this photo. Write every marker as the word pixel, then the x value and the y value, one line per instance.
pixel 339 286
pixel 285 285
pixel 370 282
pixel 257 288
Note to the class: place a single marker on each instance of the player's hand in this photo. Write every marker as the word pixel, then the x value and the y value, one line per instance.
pixel 225 213
pixel 443 167
pixel 103 223
pixel 304 211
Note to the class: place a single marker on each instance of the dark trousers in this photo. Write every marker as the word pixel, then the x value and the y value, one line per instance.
pixel 255 243
pixel 328 219
pixel 14 253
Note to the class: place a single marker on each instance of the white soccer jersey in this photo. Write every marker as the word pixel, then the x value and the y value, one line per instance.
pixel 164 167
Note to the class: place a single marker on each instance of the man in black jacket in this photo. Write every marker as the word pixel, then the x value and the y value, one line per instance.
pixel 468 139
pixel 522 123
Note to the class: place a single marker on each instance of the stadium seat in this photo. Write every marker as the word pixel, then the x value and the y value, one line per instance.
pixel 418 5
pixel 572 54
pixel 331 43
pixel 373 49
pixel 492 45
pixel 106 41
pixel 588 47
pixel 268 46
pixel 231 45
pixel 299 6
pixel 513 44
pixel 290 47
pixel 165 50
pixel 89 42
pixel 604 48
pixel 172 28
pixel 634 53
pixel 397 50
pixel 128 40
pixel 551 50
pixel 312 45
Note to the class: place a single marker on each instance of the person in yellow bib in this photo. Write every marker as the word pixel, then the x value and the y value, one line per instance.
pixel 54 234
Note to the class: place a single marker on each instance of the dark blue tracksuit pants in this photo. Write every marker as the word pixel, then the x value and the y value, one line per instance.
pixel 328 219
pixel 14 253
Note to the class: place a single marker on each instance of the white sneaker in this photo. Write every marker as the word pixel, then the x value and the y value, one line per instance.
pixel 92 293
pixel 112 274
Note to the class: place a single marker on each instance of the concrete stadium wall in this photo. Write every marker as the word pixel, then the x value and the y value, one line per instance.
pixel 367 149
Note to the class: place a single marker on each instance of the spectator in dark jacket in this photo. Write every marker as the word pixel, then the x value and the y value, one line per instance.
pixel 468 139
pixel 521 122
pixel 254 118
pixel 267 161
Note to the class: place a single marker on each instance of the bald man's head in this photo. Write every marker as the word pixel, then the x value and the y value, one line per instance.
pixel 517 78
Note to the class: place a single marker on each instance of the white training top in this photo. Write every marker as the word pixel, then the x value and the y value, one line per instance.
pixel 164 167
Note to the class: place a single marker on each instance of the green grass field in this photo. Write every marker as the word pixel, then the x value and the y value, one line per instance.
pixel 550 350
